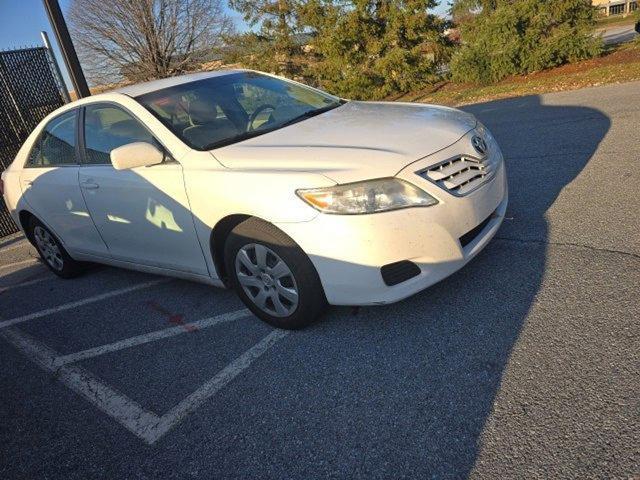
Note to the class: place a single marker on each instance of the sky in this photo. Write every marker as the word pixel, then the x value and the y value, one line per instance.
pixel 22 20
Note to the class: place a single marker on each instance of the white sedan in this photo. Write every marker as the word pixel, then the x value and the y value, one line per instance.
pixel 293 197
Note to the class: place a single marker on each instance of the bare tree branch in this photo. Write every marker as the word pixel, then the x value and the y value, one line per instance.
pixel 145 39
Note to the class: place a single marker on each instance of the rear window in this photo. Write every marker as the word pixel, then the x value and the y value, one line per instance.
pixel 56 145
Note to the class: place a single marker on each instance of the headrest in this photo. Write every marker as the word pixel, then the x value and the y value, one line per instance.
pixel 203 110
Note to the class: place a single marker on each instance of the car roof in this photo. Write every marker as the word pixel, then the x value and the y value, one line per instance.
pixel 152 86
pixel 137 89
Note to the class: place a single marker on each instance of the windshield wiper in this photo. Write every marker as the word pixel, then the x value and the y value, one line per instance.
pixel 312 113
pixel 237 138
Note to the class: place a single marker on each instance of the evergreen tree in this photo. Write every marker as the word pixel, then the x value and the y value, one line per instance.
pixel 374 48
pixel 274 45
pixel 524 36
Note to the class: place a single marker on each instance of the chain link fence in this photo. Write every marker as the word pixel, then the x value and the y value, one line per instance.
pixel 30 89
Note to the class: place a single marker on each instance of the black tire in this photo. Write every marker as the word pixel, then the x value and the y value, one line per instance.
pixel 301 277
pixel 69 268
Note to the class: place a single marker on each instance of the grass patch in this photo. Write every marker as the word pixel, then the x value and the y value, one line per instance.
pixel 621 64
pixel 616 20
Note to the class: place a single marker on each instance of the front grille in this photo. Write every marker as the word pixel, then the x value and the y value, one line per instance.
pixel 461 175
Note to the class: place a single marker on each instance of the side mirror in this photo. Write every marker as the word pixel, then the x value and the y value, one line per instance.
pixel 137 154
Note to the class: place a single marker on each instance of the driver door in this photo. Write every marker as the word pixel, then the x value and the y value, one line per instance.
pixel 142 214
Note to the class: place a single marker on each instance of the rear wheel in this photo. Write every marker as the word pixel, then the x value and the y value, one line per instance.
pixel 52 252
pixel 273 276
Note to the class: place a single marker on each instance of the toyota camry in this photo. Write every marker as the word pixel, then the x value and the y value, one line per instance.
pixel 293 197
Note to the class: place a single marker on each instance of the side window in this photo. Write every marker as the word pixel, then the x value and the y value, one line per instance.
pixel 107 127
pixel 57 143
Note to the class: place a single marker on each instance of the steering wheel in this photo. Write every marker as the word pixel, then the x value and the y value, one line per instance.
pixel 256 112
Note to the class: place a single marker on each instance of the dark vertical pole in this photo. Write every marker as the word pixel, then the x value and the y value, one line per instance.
pixel 66 47
pixel 56 67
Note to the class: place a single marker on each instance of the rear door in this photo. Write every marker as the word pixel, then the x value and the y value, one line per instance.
pixel 49 182
pixel 143 214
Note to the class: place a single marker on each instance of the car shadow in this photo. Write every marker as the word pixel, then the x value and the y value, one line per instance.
pixel 10 240
pixel 419 378
pixel 22 274
pixel 405 390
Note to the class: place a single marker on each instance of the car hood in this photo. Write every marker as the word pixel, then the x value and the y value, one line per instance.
pixel 356 141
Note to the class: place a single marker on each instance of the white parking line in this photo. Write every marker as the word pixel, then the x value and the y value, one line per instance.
pixel 79 303
pixel 18 264
pixel 213 386
pixel 21 243
pixel 150 337
pixel 26 284
pixel 127 412
pixel 148 426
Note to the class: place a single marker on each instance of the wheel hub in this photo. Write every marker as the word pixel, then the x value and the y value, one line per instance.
pixel 267 280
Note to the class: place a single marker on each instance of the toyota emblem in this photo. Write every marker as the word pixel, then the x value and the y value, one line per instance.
pixel 479 144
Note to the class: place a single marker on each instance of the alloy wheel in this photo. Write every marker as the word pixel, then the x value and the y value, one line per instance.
pixel 267 280
pixel 48 248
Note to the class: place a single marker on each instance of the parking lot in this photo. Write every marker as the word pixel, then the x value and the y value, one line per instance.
pixel 525 364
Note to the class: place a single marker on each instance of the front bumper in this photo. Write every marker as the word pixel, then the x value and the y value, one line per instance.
pixel 348 251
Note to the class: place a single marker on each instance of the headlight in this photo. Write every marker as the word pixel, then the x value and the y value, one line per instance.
pixel 370 196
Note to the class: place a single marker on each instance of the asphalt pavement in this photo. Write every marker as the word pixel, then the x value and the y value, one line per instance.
pixel 615 34
pixel 525 364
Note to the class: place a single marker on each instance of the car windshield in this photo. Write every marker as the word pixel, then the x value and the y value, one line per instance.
pixel 218 111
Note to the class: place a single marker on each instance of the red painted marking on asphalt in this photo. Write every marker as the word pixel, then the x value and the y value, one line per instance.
pixel 174 318
pixel 179 320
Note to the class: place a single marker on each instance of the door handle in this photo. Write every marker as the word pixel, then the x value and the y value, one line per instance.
pixel 89 185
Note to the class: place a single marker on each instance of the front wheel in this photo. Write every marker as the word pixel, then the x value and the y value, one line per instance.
pixel 273 276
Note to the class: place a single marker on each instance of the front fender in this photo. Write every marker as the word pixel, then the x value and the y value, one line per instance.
pixel 217 193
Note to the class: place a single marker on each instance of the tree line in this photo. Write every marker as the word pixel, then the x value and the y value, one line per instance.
pixel 361 49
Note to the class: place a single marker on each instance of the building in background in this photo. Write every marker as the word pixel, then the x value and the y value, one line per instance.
pixel 616 7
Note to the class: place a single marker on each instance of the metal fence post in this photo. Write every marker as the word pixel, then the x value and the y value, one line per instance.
pixel 56 67
pixel 69 55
